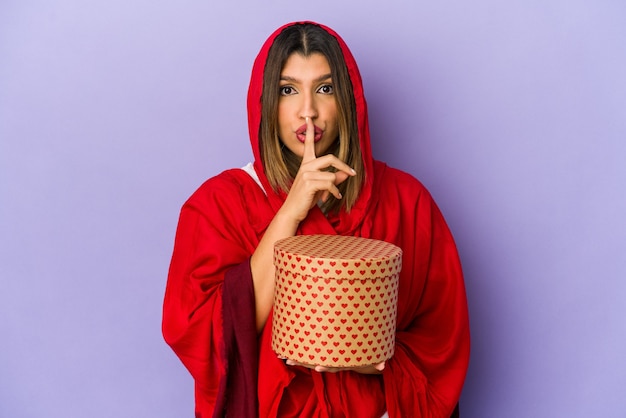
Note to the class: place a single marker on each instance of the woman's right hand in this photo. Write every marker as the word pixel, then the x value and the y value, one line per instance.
pixel 312 184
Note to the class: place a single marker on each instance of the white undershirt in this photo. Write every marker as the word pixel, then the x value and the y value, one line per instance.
pixel 249 168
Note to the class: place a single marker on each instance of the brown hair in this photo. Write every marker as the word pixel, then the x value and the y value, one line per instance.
pixel 280 164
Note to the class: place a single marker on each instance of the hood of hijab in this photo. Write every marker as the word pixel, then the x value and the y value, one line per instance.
pixel 349 223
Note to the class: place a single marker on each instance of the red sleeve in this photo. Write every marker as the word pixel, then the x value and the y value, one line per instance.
pixel 209 300
pixel 426 375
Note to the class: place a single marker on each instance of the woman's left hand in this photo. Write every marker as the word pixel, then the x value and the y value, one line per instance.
pixel 369 369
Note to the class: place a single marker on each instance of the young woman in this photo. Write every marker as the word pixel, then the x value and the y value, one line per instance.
pixel 313 174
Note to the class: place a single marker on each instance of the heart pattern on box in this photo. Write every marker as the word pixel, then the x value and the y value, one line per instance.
pixel 343 313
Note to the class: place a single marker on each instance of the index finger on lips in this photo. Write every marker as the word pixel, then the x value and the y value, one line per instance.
pixel 309 142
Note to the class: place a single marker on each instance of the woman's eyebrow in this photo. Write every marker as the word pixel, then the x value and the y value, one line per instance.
pixel 295 80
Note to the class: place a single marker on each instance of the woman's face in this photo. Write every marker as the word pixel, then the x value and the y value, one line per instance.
pixel 306 89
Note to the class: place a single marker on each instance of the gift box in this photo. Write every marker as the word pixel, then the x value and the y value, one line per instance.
pixel 335 300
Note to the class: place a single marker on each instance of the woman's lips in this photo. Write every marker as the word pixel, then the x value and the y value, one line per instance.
pixel 301 133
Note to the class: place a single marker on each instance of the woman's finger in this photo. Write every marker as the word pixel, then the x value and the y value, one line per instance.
pixel 370 369
pixel 322 183
pixel 329 160
pixel 309 142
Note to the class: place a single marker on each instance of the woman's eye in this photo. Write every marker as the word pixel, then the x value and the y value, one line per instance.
pixel 286 90
pixel 326 89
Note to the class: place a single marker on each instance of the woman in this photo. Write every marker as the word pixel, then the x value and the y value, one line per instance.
pixel 313 174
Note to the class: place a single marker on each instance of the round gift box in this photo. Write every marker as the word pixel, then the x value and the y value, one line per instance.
pixel 335 300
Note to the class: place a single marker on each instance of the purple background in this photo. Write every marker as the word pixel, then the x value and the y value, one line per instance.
pixel 113 112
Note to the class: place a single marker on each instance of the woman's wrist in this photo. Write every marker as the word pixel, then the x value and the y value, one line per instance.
pixel 287 222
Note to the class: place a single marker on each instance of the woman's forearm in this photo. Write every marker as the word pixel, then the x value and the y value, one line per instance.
pixel 262 264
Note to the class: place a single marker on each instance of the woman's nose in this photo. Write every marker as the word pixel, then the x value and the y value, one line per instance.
pixel 308 106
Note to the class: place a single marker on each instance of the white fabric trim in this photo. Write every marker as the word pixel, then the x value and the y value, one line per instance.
pixel 249 168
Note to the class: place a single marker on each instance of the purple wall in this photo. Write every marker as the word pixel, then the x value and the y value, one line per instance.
pixel 113 112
